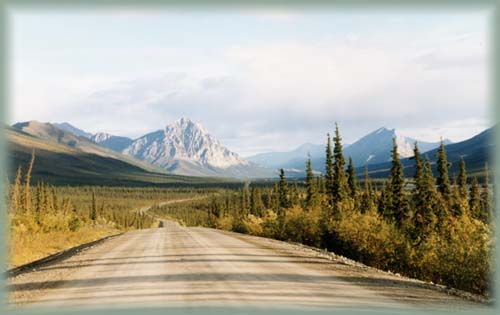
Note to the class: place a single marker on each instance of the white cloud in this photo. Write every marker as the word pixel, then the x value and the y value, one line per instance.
pixel 275 95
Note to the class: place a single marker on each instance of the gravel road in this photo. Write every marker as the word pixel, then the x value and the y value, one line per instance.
pixel 176 266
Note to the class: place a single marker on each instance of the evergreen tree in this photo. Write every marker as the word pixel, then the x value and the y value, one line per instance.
pixel 398 206
pixel 320 183
pixel 329 171
pixel 294 199
pixel 426 202
pixel 486 201
pixel 256 204
pixel 27 180
pixel 93 208
pixel 418 164
pixel 442 180
pixel 462 179
pixel 15 199
pixel 367 199
pixel 339 188
pixel 351 179
pixel 283 191
pixel 475 199
pixel 311 197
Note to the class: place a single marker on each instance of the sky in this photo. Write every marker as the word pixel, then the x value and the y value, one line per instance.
pixel 257 80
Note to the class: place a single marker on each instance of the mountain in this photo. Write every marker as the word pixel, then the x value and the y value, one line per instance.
pixel 115 143
pixel 278 160
pixel 62 164
pixel 49 133
pixel 376 147
pixel 186 148
pixel 68 127
pixel 475 151
pixel 373 148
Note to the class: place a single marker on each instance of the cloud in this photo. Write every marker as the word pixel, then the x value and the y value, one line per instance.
pixel 276 95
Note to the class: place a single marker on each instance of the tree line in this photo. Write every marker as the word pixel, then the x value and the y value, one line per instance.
pixel 429 227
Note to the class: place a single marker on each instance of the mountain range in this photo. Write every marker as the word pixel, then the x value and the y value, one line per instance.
pixel 374 148
pixel 186 148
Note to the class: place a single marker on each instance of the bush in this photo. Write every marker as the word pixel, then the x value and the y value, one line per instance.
pixel 74 224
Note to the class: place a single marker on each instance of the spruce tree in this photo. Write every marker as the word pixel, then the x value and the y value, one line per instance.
pixel 283 191
pixel 442 180
pixel 256 204
pixel 367 199
pixel 475 199
pixel 339 187
pixel 485 209
pixel 329 171
pixel 15 199
pixel 418 164
pixel 351 179
pixel 93 208
pixel 398 205
pixel 426 203
pixel 311 196
pixel 27 180
pixel 462 180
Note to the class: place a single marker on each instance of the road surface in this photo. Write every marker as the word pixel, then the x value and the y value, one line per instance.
pixel 176 266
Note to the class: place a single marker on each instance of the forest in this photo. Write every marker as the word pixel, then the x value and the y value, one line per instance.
pixel 428 227
pixel 431 227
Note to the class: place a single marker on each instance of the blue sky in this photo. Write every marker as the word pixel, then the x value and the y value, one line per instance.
pixel 257 80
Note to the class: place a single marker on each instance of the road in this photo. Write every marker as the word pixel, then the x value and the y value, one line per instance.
pixel 176 266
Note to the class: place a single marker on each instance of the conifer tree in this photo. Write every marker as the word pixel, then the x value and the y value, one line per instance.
pixel 339 177
pixel 283 191
pixel 27 180
pixel 475 199
pixel 367 200
pixel 485 213
pixel 93 208
pixel 320 183
pixel 398 206
pixel 418 164
pixel 294 195
pixel 15 203
pixel 351 179
pixel 442 180
pixel 462 179
pixel 311 196
pixel 426 202
pixel 329 171
pixel 256 204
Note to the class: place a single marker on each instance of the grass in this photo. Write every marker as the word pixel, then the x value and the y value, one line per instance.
pixel 27 247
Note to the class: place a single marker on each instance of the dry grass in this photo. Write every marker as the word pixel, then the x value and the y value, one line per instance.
pixel 28 247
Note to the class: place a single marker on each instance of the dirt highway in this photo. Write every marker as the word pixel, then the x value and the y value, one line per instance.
pixel 176 266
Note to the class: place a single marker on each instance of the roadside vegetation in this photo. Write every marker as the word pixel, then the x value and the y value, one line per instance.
pixel 428 227
pixel 46 219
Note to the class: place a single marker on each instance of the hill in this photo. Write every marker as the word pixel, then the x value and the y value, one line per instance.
pixel 67 163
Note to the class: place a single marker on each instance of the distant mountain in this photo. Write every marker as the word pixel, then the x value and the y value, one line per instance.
pixel 64 164
pixel 77 132
pixel 51 134
pixel 186 148
pixel 109 141
pixel 376 147
pixel 373 148
pixel 475 151
pixel 278 160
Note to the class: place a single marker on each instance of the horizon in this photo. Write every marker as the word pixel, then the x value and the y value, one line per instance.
pixel 260 81
pixel 344 143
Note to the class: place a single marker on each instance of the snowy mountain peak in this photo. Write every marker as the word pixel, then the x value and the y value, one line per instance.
pixel 180 143
pixel 101 137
